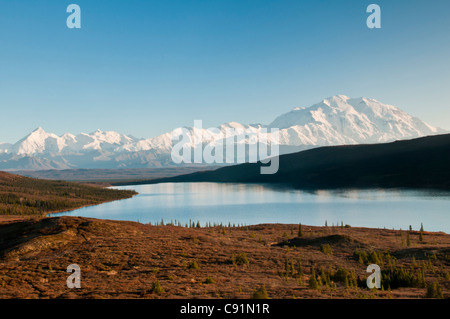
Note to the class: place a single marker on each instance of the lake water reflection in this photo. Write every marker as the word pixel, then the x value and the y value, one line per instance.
pixel 255 204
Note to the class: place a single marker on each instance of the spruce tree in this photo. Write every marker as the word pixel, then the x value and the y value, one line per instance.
pixel 260 293
pixel 299 268
pixel 300 231
pixel 286 267
pixel 434 291
pixel 401 237
pixel 156 287
pixel 292 268
pixel 313 284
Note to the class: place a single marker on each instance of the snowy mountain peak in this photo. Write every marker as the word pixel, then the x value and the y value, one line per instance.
pixel 343 120
pixel 39 133
pixel 335 120
pixel 35 142
pixel 41 142
pixel 337 98
pixel 337 102
pixel 39 130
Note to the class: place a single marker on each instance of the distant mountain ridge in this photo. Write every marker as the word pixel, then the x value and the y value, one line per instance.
pixel 337 120
pixel 416 163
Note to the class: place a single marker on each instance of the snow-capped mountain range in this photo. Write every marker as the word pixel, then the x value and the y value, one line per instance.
pixel 334 121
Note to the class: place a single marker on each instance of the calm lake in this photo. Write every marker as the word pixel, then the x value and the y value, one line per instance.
pixel 251 204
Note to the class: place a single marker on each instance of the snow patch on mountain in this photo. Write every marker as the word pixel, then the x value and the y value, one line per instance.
pixel 335 120
pixel 343 120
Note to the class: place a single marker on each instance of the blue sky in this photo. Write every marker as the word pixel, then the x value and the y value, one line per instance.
pixel 146 67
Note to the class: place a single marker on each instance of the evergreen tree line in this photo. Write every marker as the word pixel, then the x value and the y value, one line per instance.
pixel 28 196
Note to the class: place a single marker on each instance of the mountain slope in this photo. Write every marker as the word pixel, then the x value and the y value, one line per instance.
pixel 418 163
pixel 338 120
pixel 41 142
pixel 342 120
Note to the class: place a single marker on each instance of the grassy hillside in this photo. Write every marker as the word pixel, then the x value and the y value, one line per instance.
pixel 417 163
pixel 29 196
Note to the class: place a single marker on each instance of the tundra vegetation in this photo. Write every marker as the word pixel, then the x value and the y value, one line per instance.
pixel 24 196
pixel 121 259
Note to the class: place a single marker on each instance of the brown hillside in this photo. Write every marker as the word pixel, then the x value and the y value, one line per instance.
pixel 123 259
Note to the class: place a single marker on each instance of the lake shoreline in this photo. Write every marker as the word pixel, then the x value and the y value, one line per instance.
pixel 250 204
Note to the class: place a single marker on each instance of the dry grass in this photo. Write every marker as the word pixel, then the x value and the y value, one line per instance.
pixel 132 260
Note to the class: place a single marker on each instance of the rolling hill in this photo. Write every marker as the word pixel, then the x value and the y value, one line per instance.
pixel 416 163
pixel 24 196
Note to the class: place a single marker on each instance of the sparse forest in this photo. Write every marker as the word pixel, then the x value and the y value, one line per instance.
pixel 26 196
